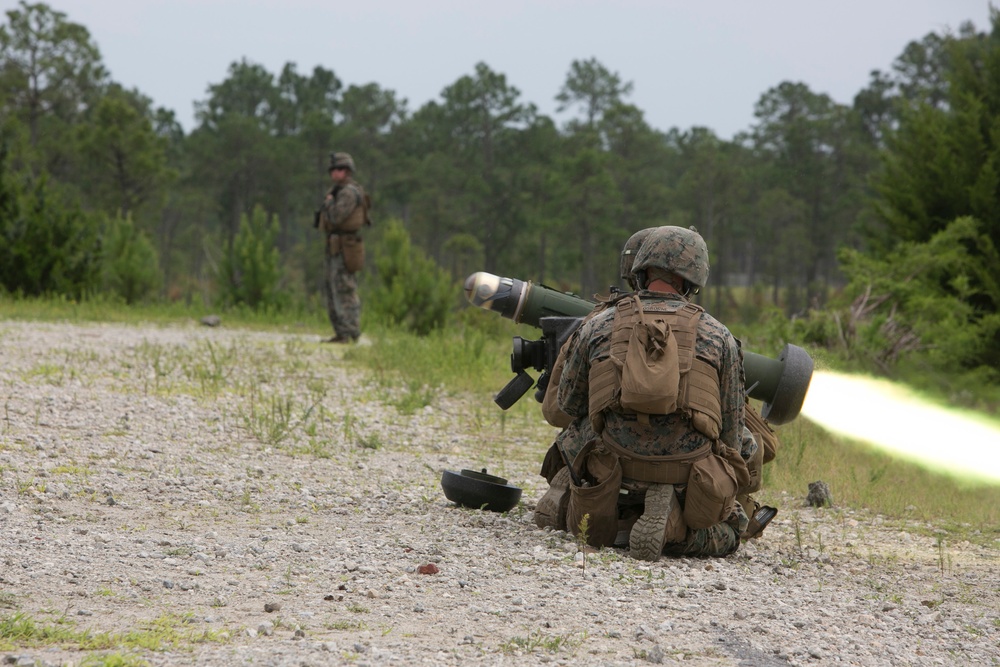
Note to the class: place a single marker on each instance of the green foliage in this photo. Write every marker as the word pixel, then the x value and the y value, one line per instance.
pixel 911 314
pixel 922 297
pixel 410 291
pixel 48 246
pixel 938 269
pixel 251 271
pixel 130 267
pixel 125 155
pixel 51 71
pixel 19 630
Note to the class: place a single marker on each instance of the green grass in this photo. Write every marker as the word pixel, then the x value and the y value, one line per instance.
pixel 537 641
pixel 21 630
pixel 113 660
pixel 862 477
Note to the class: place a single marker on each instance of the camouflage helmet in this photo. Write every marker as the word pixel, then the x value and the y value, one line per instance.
pixel 675 249
pixel 629 251
pixel 341 160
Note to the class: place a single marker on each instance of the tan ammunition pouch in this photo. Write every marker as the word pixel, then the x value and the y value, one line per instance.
pixel 698 393
pixel 552 463
pixel 712 487
pixel 357 218
pixel 593 507
pixel 767 439
pixel 754 470
pixel 351 246
pixel 651 369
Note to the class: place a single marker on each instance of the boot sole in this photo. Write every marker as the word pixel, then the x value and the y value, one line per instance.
pixel 649 532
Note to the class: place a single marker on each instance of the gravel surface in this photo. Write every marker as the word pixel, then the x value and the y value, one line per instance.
pixel 192 495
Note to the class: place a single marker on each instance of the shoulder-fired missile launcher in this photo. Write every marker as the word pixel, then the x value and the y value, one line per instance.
pixel 781 384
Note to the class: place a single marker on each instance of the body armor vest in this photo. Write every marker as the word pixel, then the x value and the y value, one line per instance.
pixel 699 393
pixel 355 220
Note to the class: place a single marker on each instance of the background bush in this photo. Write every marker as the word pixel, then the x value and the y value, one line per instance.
pixel 408 288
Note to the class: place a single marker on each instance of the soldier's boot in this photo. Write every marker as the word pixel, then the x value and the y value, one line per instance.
pixel 762 516
pixel 550 511
pixel 649 532
pixel 340 339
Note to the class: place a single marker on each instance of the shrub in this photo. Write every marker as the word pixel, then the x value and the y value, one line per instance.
pixel 47 245
pixel 129 264
pixel 410 290
pixel 250 273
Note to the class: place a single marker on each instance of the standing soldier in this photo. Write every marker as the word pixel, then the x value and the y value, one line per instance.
pixel 341 217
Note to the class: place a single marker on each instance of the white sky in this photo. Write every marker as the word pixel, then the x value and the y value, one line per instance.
pixel 691 63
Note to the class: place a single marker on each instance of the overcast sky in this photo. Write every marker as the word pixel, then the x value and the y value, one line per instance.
pixel 691 63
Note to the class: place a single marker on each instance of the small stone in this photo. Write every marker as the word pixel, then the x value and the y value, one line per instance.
pixel 271 607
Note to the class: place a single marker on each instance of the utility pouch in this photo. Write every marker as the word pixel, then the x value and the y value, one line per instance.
pixel 754 470
pixel 651 377
pixel 353 248
pixel 676 530
pixel 741 469
pixel 354 220
pixel 600 473
pixel 552 463
pixel 711 492
pixel 767 439
pixel 550 511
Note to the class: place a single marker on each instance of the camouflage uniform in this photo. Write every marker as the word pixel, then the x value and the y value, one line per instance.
pixel 665 434
pixel 578 432
pixel 343 305
pixel 672 433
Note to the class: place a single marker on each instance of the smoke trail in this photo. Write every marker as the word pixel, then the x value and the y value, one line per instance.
pixel 898 420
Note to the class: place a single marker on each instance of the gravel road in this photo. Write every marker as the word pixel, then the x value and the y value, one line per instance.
pixel 190 495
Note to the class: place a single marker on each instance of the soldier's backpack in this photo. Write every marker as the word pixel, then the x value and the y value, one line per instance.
pixel 651 369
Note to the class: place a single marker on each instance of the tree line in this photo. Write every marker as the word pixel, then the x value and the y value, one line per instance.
pixel 816 199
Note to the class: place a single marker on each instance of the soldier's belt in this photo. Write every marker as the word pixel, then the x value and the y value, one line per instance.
pixel 668 469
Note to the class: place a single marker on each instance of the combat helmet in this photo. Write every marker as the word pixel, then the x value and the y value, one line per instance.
pixel 629 251
pixel 341 160
pixel 675 249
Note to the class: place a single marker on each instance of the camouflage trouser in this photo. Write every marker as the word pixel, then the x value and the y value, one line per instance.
pixel 342 302
pixel 721 539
